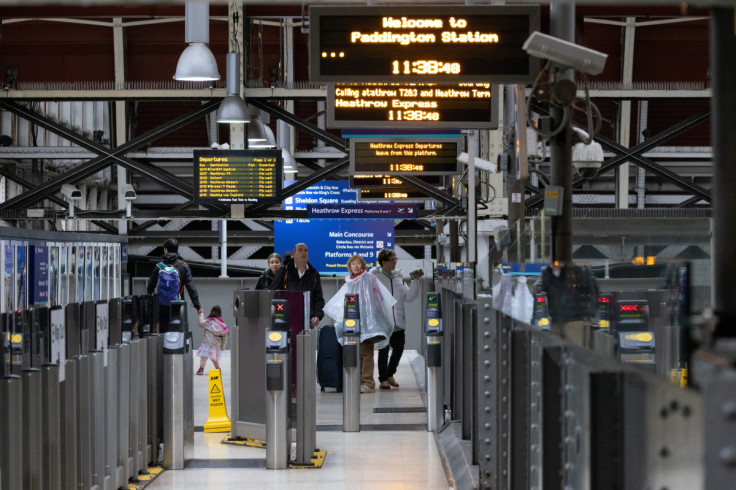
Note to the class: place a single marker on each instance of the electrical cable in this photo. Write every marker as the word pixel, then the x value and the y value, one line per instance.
pixel 565 112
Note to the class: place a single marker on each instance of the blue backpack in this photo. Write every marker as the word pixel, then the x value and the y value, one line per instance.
pixel 169 284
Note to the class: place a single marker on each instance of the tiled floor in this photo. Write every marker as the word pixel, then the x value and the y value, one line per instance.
pixel 377 457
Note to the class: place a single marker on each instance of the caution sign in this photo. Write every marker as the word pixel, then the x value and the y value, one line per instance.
pixel 218 420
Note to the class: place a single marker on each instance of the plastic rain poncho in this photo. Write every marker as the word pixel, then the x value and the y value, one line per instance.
pixel 375 304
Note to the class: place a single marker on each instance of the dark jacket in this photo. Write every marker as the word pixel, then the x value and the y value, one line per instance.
pixel 185 276
pixel 264 282
pixel 572 295
pixel 287 278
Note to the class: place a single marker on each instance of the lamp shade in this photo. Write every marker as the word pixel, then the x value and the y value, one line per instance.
pixel 232 110
pixel 197 64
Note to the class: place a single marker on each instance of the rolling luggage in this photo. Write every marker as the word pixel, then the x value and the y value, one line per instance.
pixel 329 359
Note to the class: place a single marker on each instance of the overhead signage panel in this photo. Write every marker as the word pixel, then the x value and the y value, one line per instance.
pixel 237 176
pixel 332 242
pixel 447 44
pixel 404 156
pixel 395 105
pixel 363 211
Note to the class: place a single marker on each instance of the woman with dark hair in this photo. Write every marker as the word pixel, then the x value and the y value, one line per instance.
pixel 215 338
pixel 274 264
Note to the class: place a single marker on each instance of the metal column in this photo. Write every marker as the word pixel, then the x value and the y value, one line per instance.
pixel 723 104
pixel 51 429
pixel 11 442
pixel 306 402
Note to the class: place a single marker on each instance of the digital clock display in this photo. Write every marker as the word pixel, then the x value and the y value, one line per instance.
pixel 422 44
pixel 390 181
pixel 390 195
pixel 237 176
pixel 409 156
pixel 396 105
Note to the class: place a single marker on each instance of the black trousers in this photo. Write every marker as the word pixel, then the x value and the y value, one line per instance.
pixel 387 367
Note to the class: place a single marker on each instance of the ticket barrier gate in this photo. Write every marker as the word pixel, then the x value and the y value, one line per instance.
pixel 351 364
pixel 278 400
pixel 178 403
pixel 434 334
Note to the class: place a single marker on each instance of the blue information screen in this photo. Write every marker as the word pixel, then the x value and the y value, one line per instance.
pixel 332 242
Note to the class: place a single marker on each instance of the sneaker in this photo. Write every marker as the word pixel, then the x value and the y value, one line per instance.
pixel 393 382
pixel 200 372
pixel 385 385
pixel 366 389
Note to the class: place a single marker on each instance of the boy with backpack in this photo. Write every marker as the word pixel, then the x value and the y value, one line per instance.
pixel 169 279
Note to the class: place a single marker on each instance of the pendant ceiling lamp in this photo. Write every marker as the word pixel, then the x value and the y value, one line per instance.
pixel 197 63
pixel 233 109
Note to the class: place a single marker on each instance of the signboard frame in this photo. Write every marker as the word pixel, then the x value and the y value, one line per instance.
pixel 320 30
pixel 464 123
pixel 278 184
pixel 353 155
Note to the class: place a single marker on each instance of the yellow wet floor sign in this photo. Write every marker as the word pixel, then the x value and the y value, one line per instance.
pixel 218 420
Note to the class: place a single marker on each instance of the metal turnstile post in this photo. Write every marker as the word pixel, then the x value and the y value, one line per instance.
pixel 435 374
pixel 11 453
pixel 51 426
pixel 31 421
pixel 306 401
pixel 178 409
pixel 111 418
pixel 97 412
pixel 278 399
pixel 351 364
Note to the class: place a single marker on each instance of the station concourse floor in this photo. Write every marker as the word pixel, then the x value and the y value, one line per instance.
pixel 392 450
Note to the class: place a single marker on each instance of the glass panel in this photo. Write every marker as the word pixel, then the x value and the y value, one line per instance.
pixel 96 271
pixel 104 275
pixel 80 249
pixel 88 273
pixel 21 286
pixel 63 275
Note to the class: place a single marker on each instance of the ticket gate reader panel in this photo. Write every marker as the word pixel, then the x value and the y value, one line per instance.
pixel 434 333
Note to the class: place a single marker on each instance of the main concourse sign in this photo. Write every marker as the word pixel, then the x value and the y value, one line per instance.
pixel 447 44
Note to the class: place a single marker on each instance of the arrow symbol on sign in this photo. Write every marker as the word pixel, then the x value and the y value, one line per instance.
pixel 401 210
pixel 388 234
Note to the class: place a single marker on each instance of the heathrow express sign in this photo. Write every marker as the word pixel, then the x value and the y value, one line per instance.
pixel 448 44
pixel 397 105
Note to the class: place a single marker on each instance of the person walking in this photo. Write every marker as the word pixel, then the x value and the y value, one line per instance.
pixel 298 274
pixel 274 264
pixel 393 280
pixel 215 338
pixel 375 305
pixel 163 278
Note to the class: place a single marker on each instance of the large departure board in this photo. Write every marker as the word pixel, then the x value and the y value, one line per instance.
pixel 418 44
pixel 412 105
pixel 404 156
pixel 237 176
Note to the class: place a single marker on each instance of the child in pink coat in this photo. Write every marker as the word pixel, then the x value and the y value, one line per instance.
pixel 215 338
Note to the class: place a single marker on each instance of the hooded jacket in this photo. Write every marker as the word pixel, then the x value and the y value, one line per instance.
pixel 265 279
pixel 402 293
pixel 185 276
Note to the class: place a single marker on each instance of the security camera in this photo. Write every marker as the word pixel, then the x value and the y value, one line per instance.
pixel 586 157
pixel 128 192
pixel 480 163
pixel 565 53
pixel 71 192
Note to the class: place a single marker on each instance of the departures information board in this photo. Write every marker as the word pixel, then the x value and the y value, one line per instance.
pixel 237 176
pixel 438 44
pixel 396 105
pixel 404 156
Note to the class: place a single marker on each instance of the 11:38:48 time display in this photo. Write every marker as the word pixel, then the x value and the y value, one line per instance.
pixel 425 67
